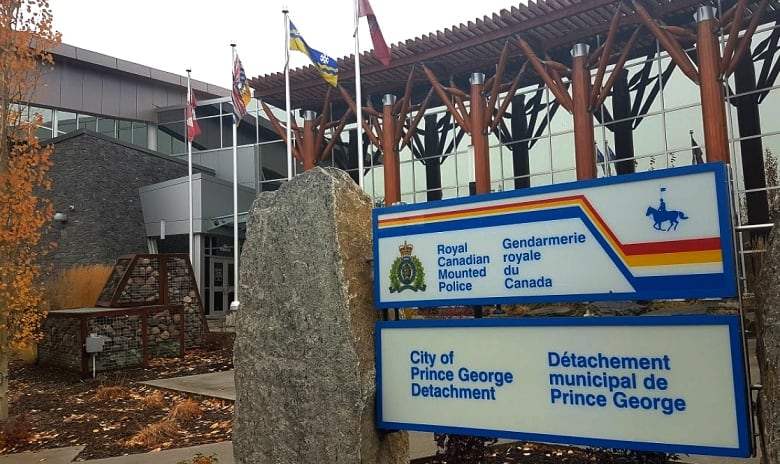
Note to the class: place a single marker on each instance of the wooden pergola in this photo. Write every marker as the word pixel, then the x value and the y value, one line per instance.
pixel 567 44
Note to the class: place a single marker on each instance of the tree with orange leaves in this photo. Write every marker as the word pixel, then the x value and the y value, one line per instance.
pixel 26 37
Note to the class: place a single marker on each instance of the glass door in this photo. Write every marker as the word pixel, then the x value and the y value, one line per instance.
pixel 221 285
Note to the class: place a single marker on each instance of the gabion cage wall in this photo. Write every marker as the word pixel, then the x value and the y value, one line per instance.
pixel 61 344
pixel 131 337
pixel 161 279
pixel 149 308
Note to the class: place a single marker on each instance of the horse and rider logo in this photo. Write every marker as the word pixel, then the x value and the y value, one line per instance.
pixel 407 271
pixel 662 215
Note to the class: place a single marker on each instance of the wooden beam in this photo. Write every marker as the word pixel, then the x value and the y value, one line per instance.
pixel 279 129
pixel 618 67
pixel 712 93
pixel 390 162
pixel 445 99
pixel 599 79
pixel 510 92
pixel 731 44
pixel 744 43
pixel 498 77
pixel 563 98
pixel 669 44
pixel 370 111
pixel 584 140
pixel 479 136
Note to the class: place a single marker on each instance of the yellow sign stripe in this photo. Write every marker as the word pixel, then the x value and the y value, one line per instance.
pixel 670 259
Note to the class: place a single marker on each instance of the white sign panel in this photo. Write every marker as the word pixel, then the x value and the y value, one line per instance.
pixel 661 234
pixel 668 384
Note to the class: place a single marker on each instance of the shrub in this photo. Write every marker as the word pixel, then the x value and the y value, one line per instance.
pixel 201 459
pixel 218 341
pixel 77 287
pixel 111 393
pixel 186 411
pixel 154 435
pixel 15 431
pixel 619 456
pixel 154 400
pixel 462 449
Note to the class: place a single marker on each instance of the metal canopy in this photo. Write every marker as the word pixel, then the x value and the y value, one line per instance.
pixel 551 26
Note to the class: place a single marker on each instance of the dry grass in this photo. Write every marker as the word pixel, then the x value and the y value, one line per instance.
pixel 111 393
pixel 154 435
pixel 186 411
pixel 77 287
pixel 15 431
pixel 201 459
pixel 154 400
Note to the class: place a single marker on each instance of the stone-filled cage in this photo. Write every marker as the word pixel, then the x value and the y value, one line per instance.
pixel 149 308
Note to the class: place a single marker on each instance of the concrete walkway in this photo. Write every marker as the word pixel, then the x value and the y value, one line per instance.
pixel 222 451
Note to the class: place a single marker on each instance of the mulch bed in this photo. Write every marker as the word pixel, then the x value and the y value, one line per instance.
pixel 53 408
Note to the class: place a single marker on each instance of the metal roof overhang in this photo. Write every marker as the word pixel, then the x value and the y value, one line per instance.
pixel 455 53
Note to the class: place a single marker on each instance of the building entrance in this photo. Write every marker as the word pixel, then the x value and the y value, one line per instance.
pixel 219 288
pixel 219 276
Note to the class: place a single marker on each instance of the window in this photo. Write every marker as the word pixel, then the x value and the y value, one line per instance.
pixel 88 122
pixel 66 122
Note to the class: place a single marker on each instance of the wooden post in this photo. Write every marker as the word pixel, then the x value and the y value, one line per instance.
pixel 584 141
pixel 712 95
pixel 390 152
pixel 309 135
pixel 479 136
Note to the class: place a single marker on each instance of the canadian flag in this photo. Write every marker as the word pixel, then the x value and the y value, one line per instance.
pixel 381 50
pixel 193 130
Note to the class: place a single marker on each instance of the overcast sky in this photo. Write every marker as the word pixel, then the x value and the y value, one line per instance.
pixel 174 35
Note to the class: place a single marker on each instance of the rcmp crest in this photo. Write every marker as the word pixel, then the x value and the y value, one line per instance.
pixel 407 271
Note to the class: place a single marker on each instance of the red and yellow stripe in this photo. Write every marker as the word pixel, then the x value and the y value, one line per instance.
pixel 666 253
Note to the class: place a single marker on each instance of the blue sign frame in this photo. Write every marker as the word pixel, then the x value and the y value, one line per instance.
pixel 741 393
pixel 648 287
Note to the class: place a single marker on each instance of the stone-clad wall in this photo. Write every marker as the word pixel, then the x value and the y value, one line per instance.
pixel 142 288
pixel 121 330
pixel 182 291
pixel 143 284
pixel 122 342
pixel 100 178
pixel 61 343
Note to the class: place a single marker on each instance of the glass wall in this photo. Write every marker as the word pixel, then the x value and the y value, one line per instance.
pixel 59 122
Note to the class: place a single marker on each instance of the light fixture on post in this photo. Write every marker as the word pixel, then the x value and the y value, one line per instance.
pixel 60 217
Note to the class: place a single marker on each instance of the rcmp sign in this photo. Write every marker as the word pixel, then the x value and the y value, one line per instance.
pixel 659 234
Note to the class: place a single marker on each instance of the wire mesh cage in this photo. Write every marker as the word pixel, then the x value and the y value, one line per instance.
pixel 149 308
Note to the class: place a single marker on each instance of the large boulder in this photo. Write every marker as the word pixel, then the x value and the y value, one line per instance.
pixel 304 350
pixel 768 347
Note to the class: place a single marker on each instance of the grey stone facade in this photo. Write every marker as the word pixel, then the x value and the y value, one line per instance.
pixel 95 181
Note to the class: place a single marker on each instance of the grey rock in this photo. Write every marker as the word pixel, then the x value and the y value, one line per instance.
pixel 304 349
pixel 615 308
pixel 555 311
pixel 768 348
pixel 680 310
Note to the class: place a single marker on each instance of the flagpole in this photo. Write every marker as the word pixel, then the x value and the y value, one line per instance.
pixel 235 199
pixel 358 99
pixel 287 91
pixel 189 161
